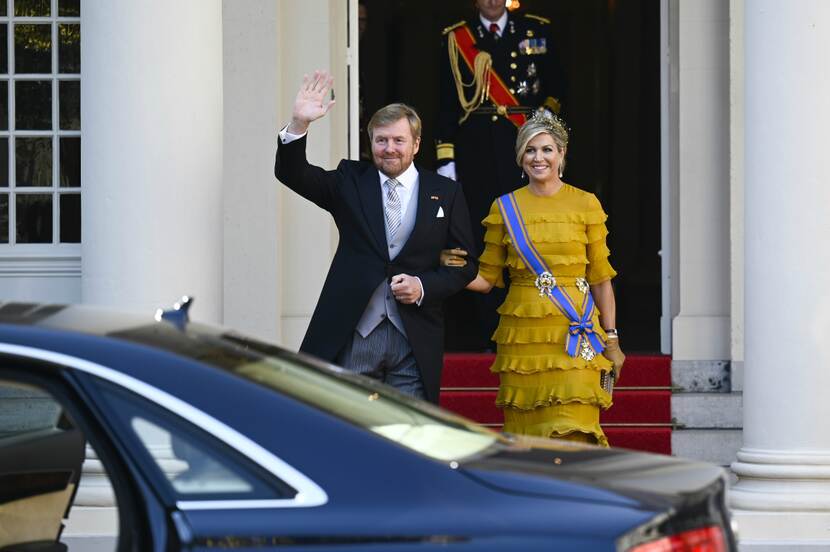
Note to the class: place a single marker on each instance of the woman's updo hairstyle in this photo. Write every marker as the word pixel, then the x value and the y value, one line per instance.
pixel 542 121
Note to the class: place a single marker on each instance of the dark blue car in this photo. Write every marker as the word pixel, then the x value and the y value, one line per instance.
pixel 213 440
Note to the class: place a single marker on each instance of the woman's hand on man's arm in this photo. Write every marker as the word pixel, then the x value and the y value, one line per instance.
pixel 455 258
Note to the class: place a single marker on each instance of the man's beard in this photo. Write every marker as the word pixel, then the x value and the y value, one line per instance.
pixel 393 165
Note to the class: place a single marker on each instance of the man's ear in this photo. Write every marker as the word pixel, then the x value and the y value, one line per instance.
pixel 417 144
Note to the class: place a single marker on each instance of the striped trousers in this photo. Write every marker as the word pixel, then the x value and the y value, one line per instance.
pixel 384 355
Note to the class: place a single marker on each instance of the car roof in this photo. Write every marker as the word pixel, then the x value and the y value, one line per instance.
pixel 79 318
pixel 76 324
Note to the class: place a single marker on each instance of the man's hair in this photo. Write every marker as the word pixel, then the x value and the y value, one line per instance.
pixel 393 113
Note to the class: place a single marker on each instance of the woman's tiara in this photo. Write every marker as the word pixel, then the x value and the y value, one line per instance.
pixel 549 120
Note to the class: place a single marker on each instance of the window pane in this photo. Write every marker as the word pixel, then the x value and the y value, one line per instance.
pixel 3 10
pixel 4 162
pixel 69 54
pixel 4 104
pixel 34 218
pixel 4 218
pixel 69 8
pixel 196 470
pixel 33 161
pixel 33 105
pixel 32 8
pixel 194 462
pixel 69 93
pixel 4 44
pixel 33 48
pixel 70 162
pixel 70 215
pixel 26 409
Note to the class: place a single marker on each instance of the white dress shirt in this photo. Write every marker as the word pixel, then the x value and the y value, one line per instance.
pixel 502 22
pixel 286 137
pixel 408 185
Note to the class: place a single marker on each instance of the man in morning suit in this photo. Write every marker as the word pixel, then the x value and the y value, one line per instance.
pixel 380 311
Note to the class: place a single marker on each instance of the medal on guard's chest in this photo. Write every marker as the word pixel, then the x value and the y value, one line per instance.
pixel 531 69
pixel 533 46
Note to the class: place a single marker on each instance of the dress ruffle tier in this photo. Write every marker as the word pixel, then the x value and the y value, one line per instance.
pixel 544 391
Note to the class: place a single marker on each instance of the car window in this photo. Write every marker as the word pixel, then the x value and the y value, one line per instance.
pixel 375 407
pixel 195 465
pixel 25 409
pixel 41 454
pixel 189 468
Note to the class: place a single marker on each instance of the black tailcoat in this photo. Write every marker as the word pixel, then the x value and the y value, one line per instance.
pixel 352 194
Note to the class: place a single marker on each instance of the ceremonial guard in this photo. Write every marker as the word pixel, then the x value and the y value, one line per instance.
pixel 497 69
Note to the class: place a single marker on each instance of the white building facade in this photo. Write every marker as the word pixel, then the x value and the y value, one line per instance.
pixel 174 135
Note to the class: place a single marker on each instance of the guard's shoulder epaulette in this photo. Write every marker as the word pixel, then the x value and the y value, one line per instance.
pixel 454 26
pixel 544 20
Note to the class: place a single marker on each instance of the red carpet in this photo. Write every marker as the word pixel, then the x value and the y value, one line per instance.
pixel 640 418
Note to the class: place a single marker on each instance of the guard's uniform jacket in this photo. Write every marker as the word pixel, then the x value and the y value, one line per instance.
pixel 524 74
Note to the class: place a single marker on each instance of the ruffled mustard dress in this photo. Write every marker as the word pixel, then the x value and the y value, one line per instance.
pixel 543 391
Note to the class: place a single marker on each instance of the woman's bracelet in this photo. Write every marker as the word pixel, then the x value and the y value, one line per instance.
pixel 612 333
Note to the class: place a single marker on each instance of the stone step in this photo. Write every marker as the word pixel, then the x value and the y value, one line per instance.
pixel 718 446
pixel 701 376
pixel 630 407
pixel 472 370
pixel 707 410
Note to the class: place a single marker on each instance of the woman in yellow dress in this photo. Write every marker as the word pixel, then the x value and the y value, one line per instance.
pixel 547 390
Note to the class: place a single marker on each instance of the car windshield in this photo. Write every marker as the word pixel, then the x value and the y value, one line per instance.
pixel 378 408
pixel 414 424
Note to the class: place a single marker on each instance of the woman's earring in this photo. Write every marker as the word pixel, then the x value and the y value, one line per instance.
pixel 561 171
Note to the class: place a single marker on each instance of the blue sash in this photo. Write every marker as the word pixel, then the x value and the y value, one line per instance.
pixel 581 337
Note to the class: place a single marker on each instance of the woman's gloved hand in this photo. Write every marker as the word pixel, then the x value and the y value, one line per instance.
pixel 613 353
pixel 453 257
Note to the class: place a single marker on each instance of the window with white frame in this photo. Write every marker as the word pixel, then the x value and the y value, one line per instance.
pixel 40 122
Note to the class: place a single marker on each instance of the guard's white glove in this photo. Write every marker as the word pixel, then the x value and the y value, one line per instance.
pixel 447 170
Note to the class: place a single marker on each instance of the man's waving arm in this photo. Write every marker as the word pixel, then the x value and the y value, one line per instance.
pixel 291 166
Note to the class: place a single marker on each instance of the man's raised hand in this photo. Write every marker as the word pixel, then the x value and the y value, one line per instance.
pixel 312 101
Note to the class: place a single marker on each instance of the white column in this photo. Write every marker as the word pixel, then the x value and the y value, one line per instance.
pixel 737 95
pixel 151 111
pixel 278 246
pixel 315 39
pixel 700 331
pixel 253 241
pixel 152 154
pixel 783 491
